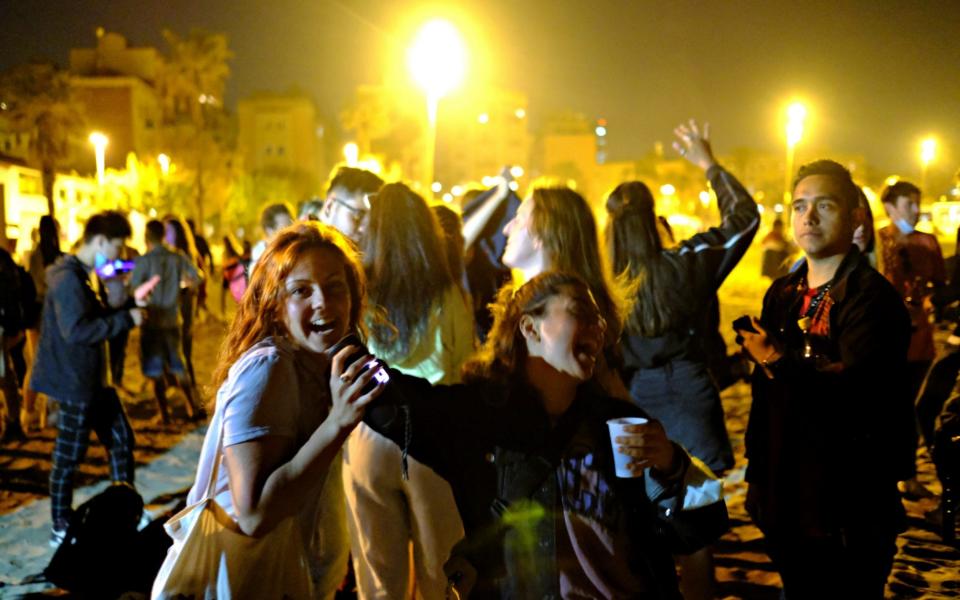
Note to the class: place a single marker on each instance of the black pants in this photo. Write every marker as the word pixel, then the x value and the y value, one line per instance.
pixel 103 414
pixel 855 564
pixel 118 354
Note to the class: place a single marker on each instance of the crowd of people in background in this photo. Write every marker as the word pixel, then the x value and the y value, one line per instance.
pixel 419 396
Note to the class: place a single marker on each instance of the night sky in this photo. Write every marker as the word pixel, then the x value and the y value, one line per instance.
pixel 877 75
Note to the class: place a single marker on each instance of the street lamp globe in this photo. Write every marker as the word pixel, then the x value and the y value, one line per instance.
pixel 796 115
pixel 164 162
pixel 928 150
pixel 437 60
pixel 99 142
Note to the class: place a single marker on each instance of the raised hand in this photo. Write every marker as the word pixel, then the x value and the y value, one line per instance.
pixel 693 143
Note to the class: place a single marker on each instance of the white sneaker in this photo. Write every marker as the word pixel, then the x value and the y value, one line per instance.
pixel 57 536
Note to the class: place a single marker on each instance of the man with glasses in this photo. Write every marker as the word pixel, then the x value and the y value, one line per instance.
pixel 347 204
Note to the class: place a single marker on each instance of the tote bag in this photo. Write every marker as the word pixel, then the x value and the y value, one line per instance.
pixel 212 558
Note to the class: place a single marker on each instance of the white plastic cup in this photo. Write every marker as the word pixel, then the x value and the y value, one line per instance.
pixel 620 461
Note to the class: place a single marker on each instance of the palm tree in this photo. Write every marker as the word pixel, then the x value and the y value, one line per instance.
pixel 191 84
pixel 39 103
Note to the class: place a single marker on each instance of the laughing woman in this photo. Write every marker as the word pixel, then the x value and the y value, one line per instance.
pixel 283 410
pixel 526 449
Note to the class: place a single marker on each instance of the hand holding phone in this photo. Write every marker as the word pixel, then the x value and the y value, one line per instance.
pixel 380 377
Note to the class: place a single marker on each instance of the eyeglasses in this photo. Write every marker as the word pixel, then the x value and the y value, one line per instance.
pixel 358 212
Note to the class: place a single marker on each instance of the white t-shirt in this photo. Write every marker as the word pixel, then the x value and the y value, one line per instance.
pixel 270 390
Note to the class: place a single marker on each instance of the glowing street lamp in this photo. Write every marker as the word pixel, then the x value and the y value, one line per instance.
pixel 99 142
pixel 437 60
pixel 351 153
pixel 928 152
pixel 796 115
pixel 164 161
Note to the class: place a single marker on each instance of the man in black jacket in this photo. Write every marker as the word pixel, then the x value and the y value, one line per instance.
pixel 831 419
pixel 72 364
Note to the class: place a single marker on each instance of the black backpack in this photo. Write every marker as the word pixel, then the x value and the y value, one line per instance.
pixel 103 555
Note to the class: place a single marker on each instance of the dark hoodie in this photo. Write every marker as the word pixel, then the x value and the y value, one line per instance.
pixel 75 326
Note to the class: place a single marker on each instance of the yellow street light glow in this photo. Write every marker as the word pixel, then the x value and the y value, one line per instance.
pixel 928 150
pixel 796 112
pixel 371 164
pixel 514 186
pixel 601 131
pixel 487 180
pixel 483 118
pixel 437 58
pixel 436 187
pixel 668 189
pixel 520 113
pixel 99 142
pixel 351 152
pixel 891 180
pixel 516 171
pixel 457 190
pixel 448 197
pixel 778 208
pixel 705 198
pixel 164 161
pixel 796 115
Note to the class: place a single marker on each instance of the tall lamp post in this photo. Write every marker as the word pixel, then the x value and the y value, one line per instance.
pixel 796 115
pixel 437 61
pixel 99 142
pixel 928 152
pixel 164 161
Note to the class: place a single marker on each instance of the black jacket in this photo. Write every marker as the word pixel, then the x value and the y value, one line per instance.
pixel 75 325
pixel 702 263
pixel 497 449
pixel 827 443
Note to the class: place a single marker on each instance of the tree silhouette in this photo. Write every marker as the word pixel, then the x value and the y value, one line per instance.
pixel 191 83
pixel 39 103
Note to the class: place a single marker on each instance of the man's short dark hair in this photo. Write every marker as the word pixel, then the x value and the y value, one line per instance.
pixel 154 231
pixel 110 224
pixel 840 174
pixel 269 215
pixel 900 188
pixel 355 180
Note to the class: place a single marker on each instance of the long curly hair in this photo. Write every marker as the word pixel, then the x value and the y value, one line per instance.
pixel 565 224
pixel 504 352
pixel 260 312
pixel 406 265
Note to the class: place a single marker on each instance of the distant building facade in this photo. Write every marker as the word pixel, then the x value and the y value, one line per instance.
pixel 114 84
pixel 280 132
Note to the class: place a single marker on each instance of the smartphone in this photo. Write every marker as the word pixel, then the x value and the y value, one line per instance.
pixel 117 267
pixel 380 377
pixel 744 323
